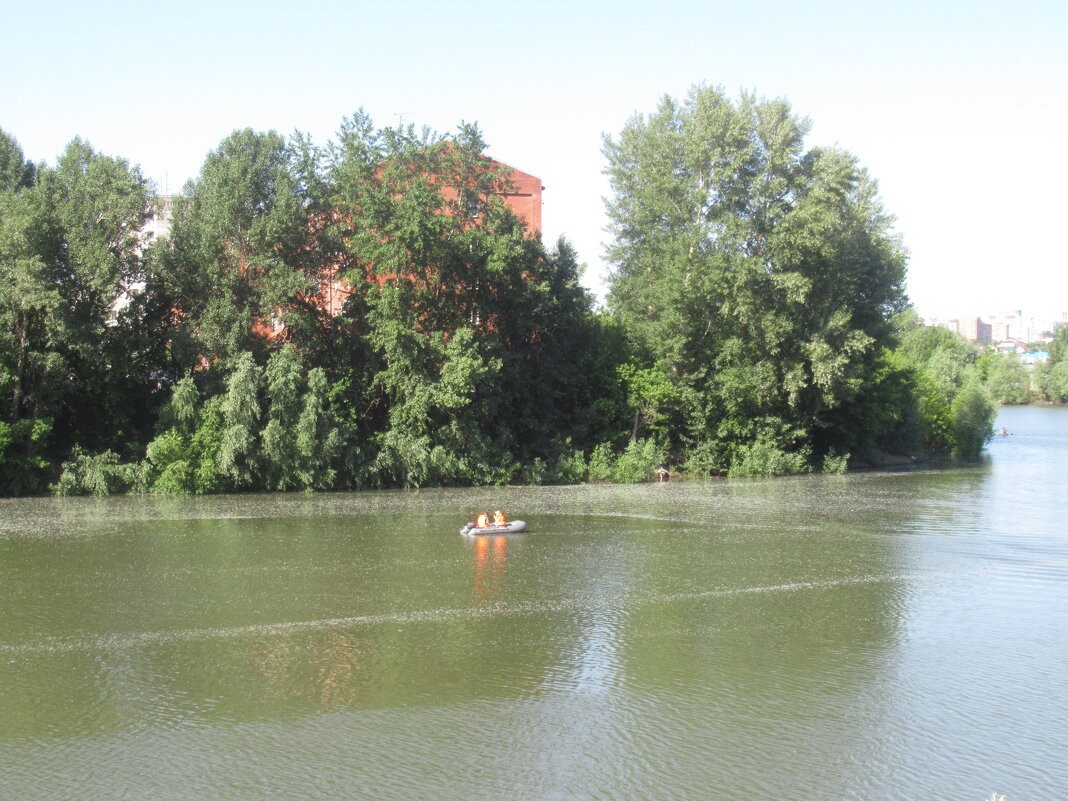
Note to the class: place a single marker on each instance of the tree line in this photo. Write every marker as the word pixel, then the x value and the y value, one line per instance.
pixel 369 313
pixel 1010 381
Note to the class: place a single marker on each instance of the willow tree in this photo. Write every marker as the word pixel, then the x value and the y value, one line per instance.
pixel 757 275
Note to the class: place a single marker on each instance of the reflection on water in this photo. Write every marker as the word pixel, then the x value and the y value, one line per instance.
pixel 490 564
pixel 862 636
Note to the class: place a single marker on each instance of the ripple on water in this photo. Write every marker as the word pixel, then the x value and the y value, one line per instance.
pixel 824 636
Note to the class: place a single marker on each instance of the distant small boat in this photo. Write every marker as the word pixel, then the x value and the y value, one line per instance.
pixel 508 528
pixel 1004 432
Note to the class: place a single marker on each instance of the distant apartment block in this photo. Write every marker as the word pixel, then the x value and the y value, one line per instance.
pixel 156 227
pixel 1008 326
pixel 976 330
pixel 159 224
pixel 971 328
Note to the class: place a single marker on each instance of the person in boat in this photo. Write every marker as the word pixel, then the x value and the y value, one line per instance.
pixel 482 521
pixel 499 519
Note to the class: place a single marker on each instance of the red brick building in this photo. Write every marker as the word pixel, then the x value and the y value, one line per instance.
pixel 523 199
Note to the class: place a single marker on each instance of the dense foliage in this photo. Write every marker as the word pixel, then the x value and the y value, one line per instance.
pixel 76 359
pixel 1050 380
pixel 955 410
pixel 1043 378
pixel 370 313
pixel 757 278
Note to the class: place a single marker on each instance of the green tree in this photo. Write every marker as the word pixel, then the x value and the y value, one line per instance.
pixel 22 456
pixel 15 172
pixel 30 307
pixel 1009 381
pixel 171 464
pixel 235 267
pixel 72 348
pixel 884 418
pixel 436 389
pixel 936 412
pixel 318 439
pixel 1053 381
pixel 98 474
pixel 283 376
pixel 973 419
pixel 300 439
pixel 182 458
pixel 955 412
pixel 1058 348
pixel 460 311
pixel 237 458
pixel 758 276
pixel 651 396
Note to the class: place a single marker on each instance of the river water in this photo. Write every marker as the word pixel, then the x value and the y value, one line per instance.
pixel 880 635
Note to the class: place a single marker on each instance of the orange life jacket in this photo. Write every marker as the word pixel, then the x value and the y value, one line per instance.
pixel 499 519
pixel 483 520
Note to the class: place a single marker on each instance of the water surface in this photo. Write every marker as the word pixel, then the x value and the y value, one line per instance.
pixel 871 636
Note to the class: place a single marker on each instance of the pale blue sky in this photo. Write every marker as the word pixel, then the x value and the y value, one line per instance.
pixel 959 109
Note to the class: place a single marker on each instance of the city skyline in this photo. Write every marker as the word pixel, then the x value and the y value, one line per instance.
pixel 991 328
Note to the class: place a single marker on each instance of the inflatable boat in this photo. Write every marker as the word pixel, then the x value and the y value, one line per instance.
pixel 513 527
